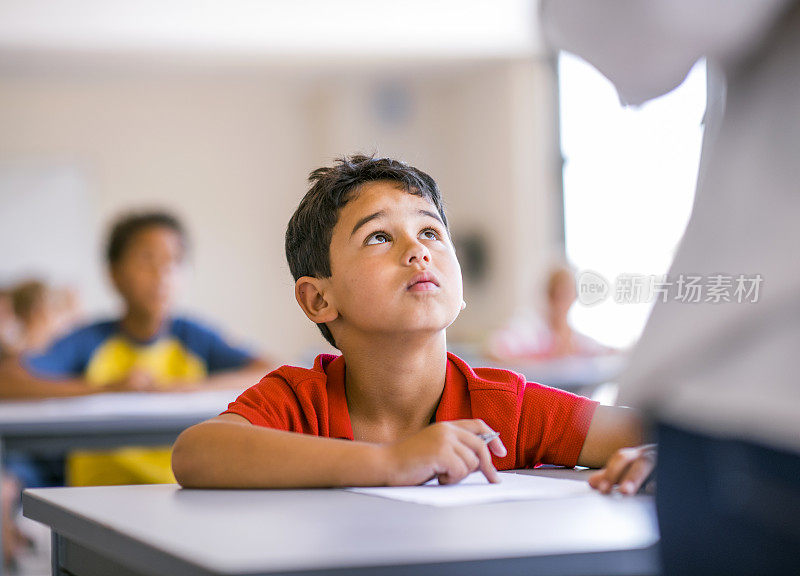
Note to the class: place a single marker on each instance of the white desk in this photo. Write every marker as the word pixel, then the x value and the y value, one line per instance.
pixel 162 529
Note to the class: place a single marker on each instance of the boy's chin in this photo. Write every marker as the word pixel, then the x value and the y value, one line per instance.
pixel 405 325
pixel 403 332
pixel 157 311
pixel 430 321
pixel 422 332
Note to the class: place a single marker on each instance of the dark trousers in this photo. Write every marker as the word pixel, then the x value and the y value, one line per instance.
pixel 726 506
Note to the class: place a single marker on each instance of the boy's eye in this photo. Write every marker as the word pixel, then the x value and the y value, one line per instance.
pixel 377 238
pixel 429 234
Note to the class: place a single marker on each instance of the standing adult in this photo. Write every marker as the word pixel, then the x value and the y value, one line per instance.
pixel 719 379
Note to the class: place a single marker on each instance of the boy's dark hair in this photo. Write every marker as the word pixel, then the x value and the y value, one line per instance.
pixel 26 297
pixel 126 227
pixel 308 235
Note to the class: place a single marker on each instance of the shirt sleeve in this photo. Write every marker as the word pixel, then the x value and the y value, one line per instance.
pixel 225 356
pixel 218 354
pixel 271 403
pixel 553 426
pixel 67 357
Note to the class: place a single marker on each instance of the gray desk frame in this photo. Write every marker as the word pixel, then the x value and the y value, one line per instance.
pixel 90 539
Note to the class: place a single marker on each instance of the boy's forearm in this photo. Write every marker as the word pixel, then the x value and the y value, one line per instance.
pixel 217 454
pixel 17 383
pixel 612 428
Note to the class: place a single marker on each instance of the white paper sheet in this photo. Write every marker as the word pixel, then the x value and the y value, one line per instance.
pixel 475 489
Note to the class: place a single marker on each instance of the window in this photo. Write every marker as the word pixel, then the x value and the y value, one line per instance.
pixel 629 182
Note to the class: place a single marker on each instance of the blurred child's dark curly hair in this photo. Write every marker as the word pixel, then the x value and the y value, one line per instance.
pixel 126 227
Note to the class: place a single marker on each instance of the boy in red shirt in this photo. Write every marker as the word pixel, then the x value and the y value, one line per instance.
pixel 374 268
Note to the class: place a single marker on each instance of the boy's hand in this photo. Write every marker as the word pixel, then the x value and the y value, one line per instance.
pixel 448 451
pixel 628 468
pixel 135 381
pixel 183 386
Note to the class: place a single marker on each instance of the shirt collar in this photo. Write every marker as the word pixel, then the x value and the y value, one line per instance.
pixel 338 414
pixel 454 403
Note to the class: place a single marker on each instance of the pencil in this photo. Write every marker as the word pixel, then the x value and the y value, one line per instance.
pixel 489 437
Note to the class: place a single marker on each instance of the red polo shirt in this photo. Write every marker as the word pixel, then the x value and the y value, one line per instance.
pixel 537 424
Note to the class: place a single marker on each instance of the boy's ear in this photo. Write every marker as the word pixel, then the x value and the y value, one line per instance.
pixel 310 293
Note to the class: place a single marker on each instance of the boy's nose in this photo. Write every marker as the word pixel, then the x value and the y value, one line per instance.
pixel 416 252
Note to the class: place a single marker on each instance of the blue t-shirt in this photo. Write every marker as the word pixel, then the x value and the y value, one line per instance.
pixel 102 353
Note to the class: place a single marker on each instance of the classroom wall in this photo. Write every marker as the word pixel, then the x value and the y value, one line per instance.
pixel 230 152
pixel 226 154
pixel 503 164
pixel 488 135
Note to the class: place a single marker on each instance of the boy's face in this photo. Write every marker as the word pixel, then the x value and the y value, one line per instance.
pixel 393 266
pixel 147 274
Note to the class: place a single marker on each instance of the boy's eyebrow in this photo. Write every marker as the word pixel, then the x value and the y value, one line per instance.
pixel 366 219
pixel 382 213
pixel 433 215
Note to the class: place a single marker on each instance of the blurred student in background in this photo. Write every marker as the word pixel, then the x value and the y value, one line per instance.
pixel 534 337
pixel 42 313
pixel 9 327
pixel 32 314
pixel 14 539
pixel 148 348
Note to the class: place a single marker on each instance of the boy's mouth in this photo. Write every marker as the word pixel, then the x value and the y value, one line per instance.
pixel 422 282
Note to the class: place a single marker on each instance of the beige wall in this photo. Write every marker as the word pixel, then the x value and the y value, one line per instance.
pixel 230 152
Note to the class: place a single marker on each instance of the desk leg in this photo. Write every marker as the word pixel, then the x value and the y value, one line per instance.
pixel 55 555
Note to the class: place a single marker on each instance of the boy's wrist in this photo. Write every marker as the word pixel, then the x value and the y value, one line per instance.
pixel 374 465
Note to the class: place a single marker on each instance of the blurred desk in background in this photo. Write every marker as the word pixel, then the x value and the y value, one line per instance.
pixel 591 376
pixel 577 374
pixel 105 420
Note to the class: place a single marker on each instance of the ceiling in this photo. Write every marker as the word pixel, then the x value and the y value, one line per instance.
pixel 265 32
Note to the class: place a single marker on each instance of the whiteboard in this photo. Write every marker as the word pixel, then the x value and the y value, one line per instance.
pixel 48 230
